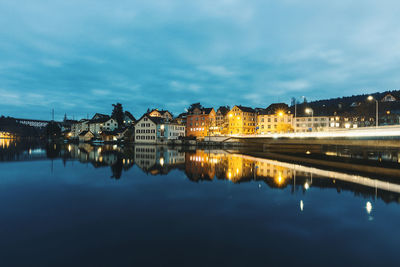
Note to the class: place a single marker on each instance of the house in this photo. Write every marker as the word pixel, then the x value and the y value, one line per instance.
pixel 129 119
pixel 311 124
pixel 221 120
pixel 106 123
pixel 108 136
pixel 174 131
pixel 165 114
pixel 78 127
pixel 86 136
pixel 276 118
pixel 241 120
pixel 96 125
pixel 389 97
pixel 148 128
pixel 200 122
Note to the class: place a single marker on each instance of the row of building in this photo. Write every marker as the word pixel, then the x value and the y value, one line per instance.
pixel 159 126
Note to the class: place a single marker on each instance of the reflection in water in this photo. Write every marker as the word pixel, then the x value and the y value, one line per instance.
pixel 205 165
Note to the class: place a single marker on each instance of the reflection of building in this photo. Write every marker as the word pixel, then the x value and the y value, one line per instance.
pixel 242 120
pixel 158 159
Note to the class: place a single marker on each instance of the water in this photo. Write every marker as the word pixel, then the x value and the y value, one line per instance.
pixel 68 205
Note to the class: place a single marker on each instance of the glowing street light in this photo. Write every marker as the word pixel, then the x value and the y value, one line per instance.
pixel 370 98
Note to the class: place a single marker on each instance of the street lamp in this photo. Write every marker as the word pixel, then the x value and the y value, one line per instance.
pixel 370 98
pixel 308 111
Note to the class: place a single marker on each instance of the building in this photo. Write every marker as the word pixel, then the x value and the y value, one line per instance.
pixel 312 124
pixel 129 119
pixel 241 120
pixel 200 122
pixel 221 121
pixel 86 136
pixel 96 125
pixel 274 119
pixel 174 131
pixel 147 128
pixel 165 114
pixel 78 127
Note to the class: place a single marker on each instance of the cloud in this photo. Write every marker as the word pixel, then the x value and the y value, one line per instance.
pixel 217 70
pixel 83 56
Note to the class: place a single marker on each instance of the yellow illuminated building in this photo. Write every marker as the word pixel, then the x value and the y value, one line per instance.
pixel 242 120
pixel 274 119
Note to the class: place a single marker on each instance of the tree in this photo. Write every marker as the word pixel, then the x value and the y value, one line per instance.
pixel 53 130
pixel 193 106
pixel 118 114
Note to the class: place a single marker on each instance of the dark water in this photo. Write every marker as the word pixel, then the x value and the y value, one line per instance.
pixel 68 205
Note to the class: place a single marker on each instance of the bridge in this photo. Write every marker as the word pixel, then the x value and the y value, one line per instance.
pixel 33 123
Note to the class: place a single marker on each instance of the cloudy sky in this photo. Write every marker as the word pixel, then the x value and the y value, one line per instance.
pixel 80 56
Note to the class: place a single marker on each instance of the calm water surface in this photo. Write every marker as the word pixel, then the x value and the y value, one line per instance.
pixel 69 205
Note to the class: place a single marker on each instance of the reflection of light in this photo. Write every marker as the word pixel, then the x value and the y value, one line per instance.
pixel 306 186
pixel 368 207
pixel 301 205
pixel 99 150
pixel 69 148
pixel 237 171
pixel 162 161
pixel 229 175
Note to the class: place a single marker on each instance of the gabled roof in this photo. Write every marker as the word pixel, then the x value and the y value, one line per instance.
pixel 223 110
pixel 156 120
pixel 273 108
pixel 85 132
pixel 100 120
pixel 99 115
pixel 245 109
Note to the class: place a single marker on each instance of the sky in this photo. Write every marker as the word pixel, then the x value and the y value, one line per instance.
pixel 81 56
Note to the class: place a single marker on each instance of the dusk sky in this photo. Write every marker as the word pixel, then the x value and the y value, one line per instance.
pixel 79 57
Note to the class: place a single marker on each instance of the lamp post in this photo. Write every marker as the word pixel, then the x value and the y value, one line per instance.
pixel 370 98
pixel 308 111
pixel 295 112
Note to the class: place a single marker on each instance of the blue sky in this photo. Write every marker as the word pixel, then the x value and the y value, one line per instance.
pixel 80 56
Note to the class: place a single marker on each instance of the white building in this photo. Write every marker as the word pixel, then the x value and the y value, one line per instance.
pixel 174 131
pixel 96 125
pixel 311 124
pixel 146 129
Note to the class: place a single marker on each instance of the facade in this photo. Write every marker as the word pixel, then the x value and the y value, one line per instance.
pixel 174 131
pixel 86 136
pixel 78 127
pixel 241 120
pixel 200 122
pixel 221 121
pixel 146 129
pixel 312 124
pixel 96 125
pixel 274 119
